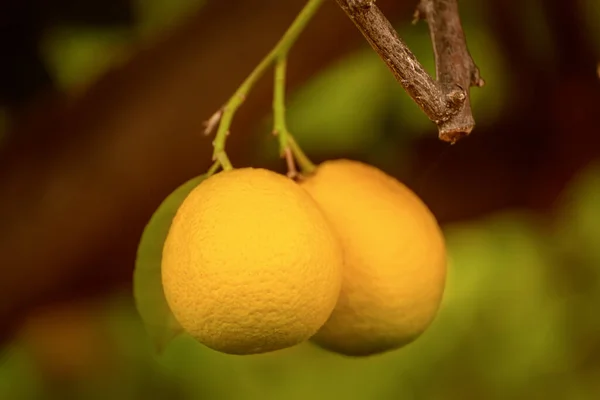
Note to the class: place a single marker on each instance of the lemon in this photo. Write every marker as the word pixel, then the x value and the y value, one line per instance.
pixel 395 259
pixel 250 263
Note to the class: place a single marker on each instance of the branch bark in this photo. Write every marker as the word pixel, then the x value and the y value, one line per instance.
pixel 454 65
pixel 445 100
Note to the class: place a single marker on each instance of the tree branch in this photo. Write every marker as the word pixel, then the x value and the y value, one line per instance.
pixel 454 65
pixel 445 101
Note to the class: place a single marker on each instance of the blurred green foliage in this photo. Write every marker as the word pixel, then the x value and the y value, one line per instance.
pixel 77 56
pixel 580 217
pixel 156 16
pixel 19 378
pixel 341 108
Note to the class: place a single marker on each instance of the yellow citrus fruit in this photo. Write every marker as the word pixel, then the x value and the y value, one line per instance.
pixel 395 259
pixel 250 263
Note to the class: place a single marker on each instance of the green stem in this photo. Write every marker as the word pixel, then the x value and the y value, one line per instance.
pixel 304 162
pixel 223 160
pixel 282 47
pixel 211 171
pixel 286 140
pixel 279 120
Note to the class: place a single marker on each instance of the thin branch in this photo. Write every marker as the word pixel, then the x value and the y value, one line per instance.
pixel 446 101
pixel 280 49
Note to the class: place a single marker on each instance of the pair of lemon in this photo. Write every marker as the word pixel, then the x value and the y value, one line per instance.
pixel 349 258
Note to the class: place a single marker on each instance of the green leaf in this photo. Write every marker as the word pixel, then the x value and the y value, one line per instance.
pixel 147 283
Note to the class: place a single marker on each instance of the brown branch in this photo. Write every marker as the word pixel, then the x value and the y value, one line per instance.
pixel 400 60
pixel 445 101
pixel 454 65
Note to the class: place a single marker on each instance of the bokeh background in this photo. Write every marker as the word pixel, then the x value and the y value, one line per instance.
pixel 102 105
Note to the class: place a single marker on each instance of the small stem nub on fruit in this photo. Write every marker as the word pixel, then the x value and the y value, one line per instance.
pixel 213 169
pixel 307 166
pixel 223 161
pixel 291 164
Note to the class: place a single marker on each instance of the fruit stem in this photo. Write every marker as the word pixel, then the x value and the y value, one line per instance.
pixel 211 171
pixel 303 161
pixel 280 50
pixel 287 145
pixel 223 160
pixel 279 121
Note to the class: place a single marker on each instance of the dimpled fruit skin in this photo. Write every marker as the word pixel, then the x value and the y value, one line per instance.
pixel 395 259
pixel 250 264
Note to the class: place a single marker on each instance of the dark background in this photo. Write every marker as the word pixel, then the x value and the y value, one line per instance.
pixel 102 106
